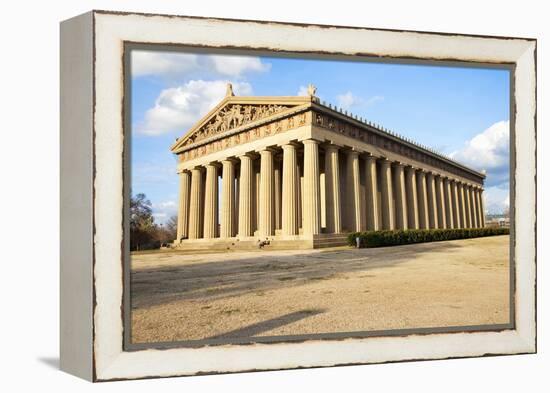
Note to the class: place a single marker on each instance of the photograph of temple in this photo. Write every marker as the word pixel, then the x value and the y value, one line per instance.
pixel 267 203
pixel 299 173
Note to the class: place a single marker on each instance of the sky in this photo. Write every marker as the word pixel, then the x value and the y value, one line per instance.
pixel 461 112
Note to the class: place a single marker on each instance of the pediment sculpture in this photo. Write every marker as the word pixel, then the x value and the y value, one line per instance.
pixel 233 116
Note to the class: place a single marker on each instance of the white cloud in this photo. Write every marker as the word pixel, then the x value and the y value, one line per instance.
pixel 236 66
pixel 161 63
pixel 302 91
pixel 348 100
pixel 489 151
pixel 173 64
pixel 178 108
pixel 496 199
pixel 162 211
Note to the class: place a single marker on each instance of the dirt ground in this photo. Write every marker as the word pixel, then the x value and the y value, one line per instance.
pixel 177 296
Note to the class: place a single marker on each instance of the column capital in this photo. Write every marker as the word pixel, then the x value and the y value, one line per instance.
pixel 370 158
pixel 289 145
pixel 270 149
pixel 384 161
pixel 332 146
pixel 398 164
pixel 351 152
pixel 228 160
pixel 249 155
pixel 310 141
pixel 215 164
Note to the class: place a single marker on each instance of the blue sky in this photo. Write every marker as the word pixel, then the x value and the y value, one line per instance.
pixel 462 112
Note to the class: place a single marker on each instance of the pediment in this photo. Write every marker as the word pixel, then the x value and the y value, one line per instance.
pixel 235 112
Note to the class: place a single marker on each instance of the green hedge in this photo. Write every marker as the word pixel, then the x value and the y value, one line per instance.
pixel 397 237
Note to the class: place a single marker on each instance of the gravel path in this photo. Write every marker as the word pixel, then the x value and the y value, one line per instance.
pixel 177 296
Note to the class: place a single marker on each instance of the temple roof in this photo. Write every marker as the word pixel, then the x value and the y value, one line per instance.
pixel 236 112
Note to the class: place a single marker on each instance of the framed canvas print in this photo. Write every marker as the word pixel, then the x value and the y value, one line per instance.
pixel 248 195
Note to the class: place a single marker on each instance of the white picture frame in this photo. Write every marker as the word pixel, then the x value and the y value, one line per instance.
pixel 92 193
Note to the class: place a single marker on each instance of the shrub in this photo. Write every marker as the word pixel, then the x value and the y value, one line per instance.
pixel 410 236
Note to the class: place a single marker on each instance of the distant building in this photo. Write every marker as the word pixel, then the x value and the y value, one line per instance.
pixel 299 173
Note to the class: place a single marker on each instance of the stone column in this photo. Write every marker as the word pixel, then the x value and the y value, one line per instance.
pixel 386 195
pixel 211 202
pixel 277 194
pixel 448 204
pixel 462 205
pixel 473 204
pixel 256 226
pixel 332 188
pixel 227 227
pixel 433 221
pixel 371 191
pixel 299 189
pixel 440 188
pixel 353 190
pixel 183 206
pixel 400 197
pixel 481 207
pixel 290 191
pixel 412 198
pixel 422 194
pixel 195 205
pixel 245 196
pixel 312 198
pixel 468 206
pixel 266 200
pixel 455 204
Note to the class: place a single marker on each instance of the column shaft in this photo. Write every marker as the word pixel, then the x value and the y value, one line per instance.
pixel 400 197
pixel 387 195
pixel 277 194
pixel 473 203
pixel 448 204
pixel 455 204
pixel 266 225
pixel 432 201
pixel 332 189
pixel 462 205
pixel 481 207
pixel 412 198
pixel 354 190
pixel 468 207
pixel 422 194
pixel 312 198
pixel 371 191
pixel 227 227
pixel 183 206
pixel 441 199
pixel 245 197
pixel 211 202
pixel 290 191
pixel 195 205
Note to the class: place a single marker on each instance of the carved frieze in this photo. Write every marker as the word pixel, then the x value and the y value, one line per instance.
pixel 387 143
pixel 271 128
pixel 233 116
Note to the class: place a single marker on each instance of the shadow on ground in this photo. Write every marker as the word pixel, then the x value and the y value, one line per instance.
pixel 270 324
pixel 262 272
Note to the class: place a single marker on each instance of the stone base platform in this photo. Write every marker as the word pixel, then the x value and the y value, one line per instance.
pixel 278 242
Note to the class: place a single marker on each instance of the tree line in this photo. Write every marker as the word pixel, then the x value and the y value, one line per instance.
pixel 145 234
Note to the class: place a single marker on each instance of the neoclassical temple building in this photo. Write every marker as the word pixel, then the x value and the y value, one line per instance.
pixel 294 172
